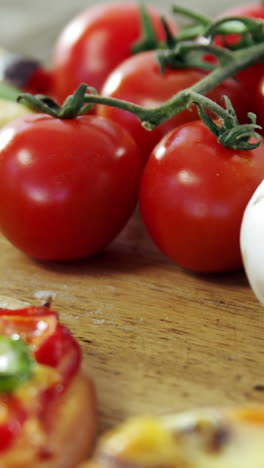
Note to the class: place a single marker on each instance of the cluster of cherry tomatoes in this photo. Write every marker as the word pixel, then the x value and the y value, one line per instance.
pixel 67 187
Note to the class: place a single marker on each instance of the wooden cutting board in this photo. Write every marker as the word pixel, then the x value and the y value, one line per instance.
pixel 155 338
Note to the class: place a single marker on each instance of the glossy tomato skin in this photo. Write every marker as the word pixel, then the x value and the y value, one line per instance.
pixel 193 194
pixel 258 93
pixel 67 187
pixel 95 42
pixel 139 80
pixel 62 351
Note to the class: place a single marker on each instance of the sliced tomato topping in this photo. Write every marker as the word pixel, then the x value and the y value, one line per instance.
pixel 29 311
pixel 62 351
pixel 52 343
pixel 33 324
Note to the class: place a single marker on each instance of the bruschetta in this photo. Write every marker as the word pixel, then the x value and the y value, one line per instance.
pixel 47 403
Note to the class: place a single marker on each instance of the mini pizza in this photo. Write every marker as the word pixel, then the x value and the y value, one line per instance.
pixel 47 404
pixel 231 438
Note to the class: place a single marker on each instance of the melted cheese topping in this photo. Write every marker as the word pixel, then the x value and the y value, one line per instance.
pixel 43 377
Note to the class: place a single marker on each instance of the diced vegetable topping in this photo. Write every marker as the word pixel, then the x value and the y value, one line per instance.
pixel 16 363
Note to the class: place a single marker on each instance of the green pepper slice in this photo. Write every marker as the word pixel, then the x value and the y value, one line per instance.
pixel 16 363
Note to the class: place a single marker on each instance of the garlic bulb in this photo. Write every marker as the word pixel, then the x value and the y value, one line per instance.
pixel 252 242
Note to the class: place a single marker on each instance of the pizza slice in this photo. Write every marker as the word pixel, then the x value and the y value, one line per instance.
pixel 206 438
pixel 47 404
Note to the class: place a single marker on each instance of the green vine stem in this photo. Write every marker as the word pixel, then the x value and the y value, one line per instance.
pixel 73 106
pixel 80 102
pixel 227 129
pixel 149 39
pixel 190 54
pixel 200 23
pixel 251 30
pixel 236 25
pixel 153 117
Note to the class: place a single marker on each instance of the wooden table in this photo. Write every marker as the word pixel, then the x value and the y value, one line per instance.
pixel 155 338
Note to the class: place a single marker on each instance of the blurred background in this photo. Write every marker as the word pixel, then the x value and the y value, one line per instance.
pixel 31 26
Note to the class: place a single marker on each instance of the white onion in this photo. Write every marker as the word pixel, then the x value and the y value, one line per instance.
pixel 252 242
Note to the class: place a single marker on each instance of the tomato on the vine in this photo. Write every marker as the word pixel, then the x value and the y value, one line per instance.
pixel 250 76
pixel 193 194
pixel 140 80
pixel 67 187
pixel 96 41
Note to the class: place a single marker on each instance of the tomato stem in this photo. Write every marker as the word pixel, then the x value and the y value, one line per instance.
pixel 228 131
pixel 189 54
pixel 153 117
pixel 171 40
pixel 149 39
pixel 249 52
pixel 237 25
pixel 73 106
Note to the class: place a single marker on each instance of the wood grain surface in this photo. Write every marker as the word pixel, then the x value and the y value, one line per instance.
pixel 155 338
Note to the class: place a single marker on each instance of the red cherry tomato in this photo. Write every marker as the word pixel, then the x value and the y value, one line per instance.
pixel 95 42
pixel 249 77
pixel 139 80
pixel 193 195
pixel 67 187
pixel 40 82
pixel 62 351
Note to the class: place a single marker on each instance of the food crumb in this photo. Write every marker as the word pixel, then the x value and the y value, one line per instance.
pixel 259 388
pixel 45 294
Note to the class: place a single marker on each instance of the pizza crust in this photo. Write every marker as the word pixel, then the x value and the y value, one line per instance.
pixel 72 434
